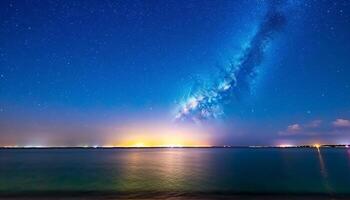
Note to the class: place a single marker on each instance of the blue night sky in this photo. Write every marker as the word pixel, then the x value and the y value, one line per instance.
pixel 210 72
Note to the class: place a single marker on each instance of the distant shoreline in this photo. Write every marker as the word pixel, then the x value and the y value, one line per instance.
pixel 165 147
pixel 166 195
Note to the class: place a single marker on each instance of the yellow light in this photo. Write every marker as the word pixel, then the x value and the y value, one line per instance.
pixel 139 144
pixel 159 134
pixel 285 145
pixel 317 146
pixel 173 145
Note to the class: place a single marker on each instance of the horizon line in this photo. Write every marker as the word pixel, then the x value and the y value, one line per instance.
pixel 179 147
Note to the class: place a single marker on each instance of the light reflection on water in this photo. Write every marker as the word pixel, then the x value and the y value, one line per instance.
pixel 324 171
pixel 168 169
pixel 177 170
pixel 322 165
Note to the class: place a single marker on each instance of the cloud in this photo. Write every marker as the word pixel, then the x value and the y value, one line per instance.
pixel 341 123
pixel 291 130
pixel 294 128
pixel 317 127
pixel 314 124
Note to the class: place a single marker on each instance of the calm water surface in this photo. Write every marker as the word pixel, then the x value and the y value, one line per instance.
pixel 234 170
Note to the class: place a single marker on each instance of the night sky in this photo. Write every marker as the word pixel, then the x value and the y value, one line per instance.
pixel 174 73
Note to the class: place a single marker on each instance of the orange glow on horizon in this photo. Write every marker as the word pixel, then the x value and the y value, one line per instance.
pixel 285 145
pixel 157 134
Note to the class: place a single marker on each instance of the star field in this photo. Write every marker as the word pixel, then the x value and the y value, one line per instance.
pixel 75 72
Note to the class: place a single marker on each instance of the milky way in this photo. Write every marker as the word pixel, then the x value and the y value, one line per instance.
pixel 207 103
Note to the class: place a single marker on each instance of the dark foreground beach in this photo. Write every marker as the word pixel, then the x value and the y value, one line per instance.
pixel 203 196
pixel 175 173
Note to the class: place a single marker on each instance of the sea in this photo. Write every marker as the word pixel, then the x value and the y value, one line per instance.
pixel 178 173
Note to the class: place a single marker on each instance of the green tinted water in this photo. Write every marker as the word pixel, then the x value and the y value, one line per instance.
pixel 266 170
